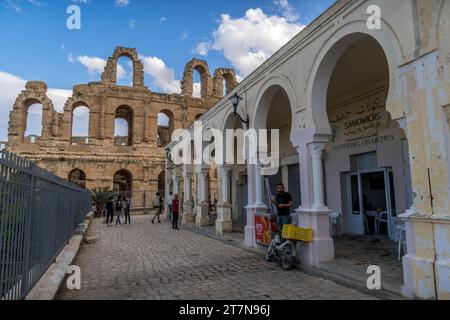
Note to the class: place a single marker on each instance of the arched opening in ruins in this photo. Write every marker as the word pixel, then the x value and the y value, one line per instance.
pixel 78 177
pixel 199 79
pixel 80 125
pixel 34 122
pixel 224 82
pixel 125 71
pixel 197 117
pixel 165 128
pixel 197 83
pixel 123 183
pixel 123 126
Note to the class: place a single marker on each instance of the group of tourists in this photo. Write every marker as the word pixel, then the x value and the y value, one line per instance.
pixel 173 204
pixel 121 207
pixel 118 208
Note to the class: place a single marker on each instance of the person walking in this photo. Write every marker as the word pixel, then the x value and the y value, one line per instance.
pixel 127 205
pixel 118 208
pixel 109 211
pixel 157 204
pixel 175 212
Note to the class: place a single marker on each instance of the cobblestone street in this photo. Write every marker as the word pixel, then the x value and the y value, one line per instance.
pixel 146 261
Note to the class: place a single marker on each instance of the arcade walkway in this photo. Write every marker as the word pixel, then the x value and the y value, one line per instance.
pixel 146 261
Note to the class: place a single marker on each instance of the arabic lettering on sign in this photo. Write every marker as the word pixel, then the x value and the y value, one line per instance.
pixel 355 121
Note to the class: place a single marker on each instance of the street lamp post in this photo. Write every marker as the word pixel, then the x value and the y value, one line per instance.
pixel 235 99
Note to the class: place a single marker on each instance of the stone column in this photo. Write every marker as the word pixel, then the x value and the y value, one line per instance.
pixel 259 196
pixel 176 184
pixel 313 213
pixel 256 205
pixel 316 150
pixel 187 205
pixel 224 221
pixel 168 180
pixel 202 208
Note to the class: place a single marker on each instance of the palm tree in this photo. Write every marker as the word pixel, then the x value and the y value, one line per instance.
pixel 100 197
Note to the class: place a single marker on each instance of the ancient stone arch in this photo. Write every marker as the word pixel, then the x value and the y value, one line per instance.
pixel 78 177
pixel 224 74
pixel 126 113
pixel 187 84
pixel 69 107
pixel 109 76
pixel 35 92
pixel 123 182
pixel 165 133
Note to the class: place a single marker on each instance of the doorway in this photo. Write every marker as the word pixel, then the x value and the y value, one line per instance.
pixel 372 202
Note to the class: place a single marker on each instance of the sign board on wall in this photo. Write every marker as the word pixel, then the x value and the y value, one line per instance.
pixel 360 119
pixel 263 229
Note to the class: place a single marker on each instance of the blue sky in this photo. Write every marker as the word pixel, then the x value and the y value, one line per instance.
pixel 166 33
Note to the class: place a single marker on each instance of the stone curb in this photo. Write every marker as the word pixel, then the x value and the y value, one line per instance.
pixel 49 284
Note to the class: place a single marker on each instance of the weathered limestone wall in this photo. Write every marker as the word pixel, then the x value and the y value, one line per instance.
pixel 101 158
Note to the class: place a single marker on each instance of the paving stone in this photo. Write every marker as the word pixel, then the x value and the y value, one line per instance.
pixel 186 265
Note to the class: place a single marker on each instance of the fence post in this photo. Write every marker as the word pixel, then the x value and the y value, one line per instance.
pixel 29 221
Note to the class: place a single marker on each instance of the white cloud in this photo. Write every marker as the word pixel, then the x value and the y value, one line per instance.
pixel 70 58
pixel 122 3
pixel 35 3
pixel 80 122
pixel 249 41
pixel 12 5
pixel 184 35
pixel 197 90
pixel 96 65
pixel 131 23
pixel 10 87
pixel 203 48
pixel 162 19
pixel 59 97
pixel 163 120
pixel 16 4
pixel 163 78
pixel 289 12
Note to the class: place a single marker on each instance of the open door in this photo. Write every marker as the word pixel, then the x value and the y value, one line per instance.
pixel 356 207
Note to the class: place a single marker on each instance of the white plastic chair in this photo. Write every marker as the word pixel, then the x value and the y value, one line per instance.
pixel 366 224
pixel 382 217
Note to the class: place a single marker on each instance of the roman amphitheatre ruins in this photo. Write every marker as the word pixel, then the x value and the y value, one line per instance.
pixel 133 164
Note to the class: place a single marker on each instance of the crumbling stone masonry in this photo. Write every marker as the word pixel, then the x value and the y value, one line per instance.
pixel 135 161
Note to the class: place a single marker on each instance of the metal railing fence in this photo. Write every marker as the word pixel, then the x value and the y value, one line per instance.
pixel 39 214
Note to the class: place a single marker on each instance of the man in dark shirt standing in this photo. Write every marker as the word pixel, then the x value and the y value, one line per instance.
pixel 283 202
